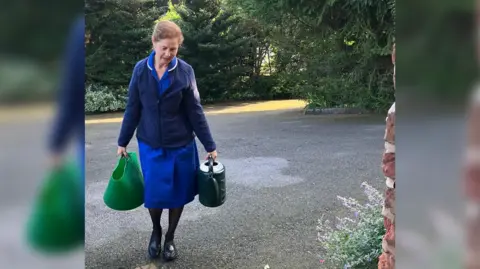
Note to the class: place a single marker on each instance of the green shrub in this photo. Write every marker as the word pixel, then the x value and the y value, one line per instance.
pixel 26 81
pixel 354 243
pixel 100 99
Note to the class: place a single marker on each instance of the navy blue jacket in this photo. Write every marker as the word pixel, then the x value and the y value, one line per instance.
pixel 70 118
pixel 169 120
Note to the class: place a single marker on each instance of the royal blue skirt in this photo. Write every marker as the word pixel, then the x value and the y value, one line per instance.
pixel 169 174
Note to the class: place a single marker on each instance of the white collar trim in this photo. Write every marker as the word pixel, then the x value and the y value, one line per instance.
pixel 175 66
pixel 169 70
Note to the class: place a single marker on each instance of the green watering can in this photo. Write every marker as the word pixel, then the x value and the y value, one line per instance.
pixel 57 222
pixel 125 190
pixel 211 183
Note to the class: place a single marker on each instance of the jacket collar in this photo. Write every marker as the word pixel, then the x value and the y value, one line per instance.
pixel 171 66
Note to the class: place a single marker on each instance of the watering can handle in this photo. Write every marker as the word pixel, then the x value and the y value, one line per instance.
pixel 210 171
pixel 217 189
pixel 210 164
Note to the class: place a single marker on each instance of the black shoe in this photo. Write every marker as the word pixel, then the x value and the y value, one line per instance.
pixel 154 247
pixel 169 251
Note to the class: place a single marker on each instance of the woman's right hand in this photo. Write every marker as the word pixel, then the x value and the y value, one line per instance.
pixel 122 151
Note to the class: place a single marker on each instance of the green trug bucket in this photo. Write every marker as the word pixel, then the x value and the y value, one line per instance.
pixel 125 190
pixel 57 222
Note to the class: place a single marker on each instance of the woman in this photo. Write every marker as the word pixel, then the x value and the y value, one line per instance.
pixel 164 107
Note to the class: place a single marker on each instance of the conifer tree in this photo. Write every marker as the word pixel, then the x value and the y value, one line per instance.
pixel 216 45
pixel 117 36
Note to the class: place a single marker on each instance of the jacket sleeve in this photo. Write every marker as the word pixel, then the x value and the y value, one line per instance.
pixel 131 117
pixel 69 119
pixel 196 114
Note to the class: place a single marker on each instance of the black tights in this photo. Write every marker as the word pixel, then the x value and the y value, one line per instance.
pixel 174 215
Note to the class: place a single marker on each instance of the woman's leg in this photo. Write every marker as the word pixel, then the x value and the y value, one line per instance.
pixel 174 214
pixel 154 247
pixel 156 215
pixel 185 169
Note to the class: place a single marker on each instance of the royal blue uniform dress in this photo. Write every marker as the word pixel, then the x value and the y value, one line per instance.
pixel 169 173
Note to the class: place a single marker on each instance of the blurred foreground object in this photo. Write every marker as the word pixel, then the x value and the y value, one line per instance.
pixel 58 219
pixel 70 117
pixel 57 222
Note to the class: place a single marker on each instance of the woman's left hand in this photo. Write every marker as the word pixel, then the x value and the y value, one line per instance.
pixel 213 154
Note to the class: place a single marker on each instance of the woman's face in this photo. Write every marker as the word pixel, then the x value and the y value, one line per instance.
pixel 165 49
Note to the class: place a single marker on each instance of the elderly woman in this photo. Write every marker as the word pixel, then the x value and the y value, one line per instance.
pixel 164 107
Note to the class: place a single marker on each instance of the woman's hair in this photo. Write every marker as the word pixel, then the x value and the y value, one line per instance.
pixel 167 29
